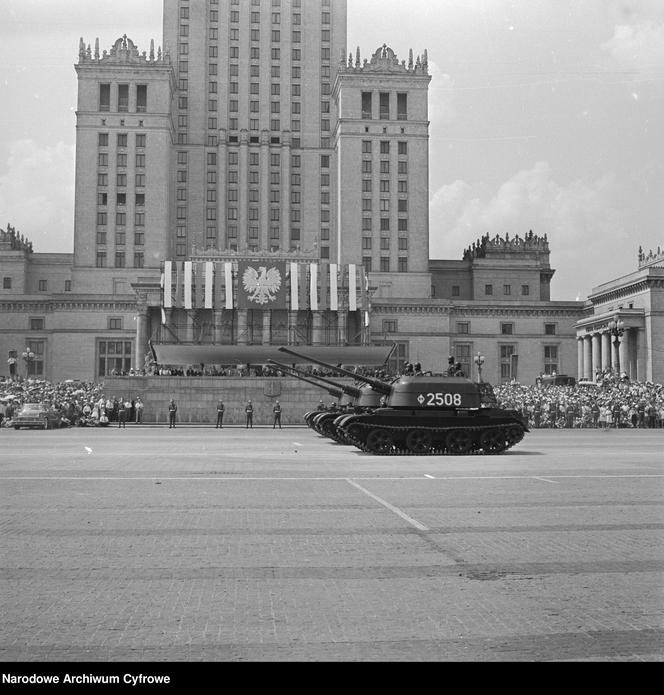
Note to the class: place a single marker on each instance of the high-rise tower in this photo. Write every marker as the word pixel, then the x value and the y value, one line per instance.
pixel 254 120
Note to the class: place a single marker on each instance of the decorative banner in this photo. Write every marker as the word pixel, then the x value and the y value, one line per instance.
pixel 228 284
pixel 261 287
pixel 294 284
pixel 313 287
pixel 209 284
pixel 334 288
pixel 187 284
pixel 352 288
pixel 167 283
pixel 177 299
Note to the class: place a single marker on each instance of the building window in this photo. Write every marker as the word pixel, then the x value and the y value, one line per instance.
pixel 37 324
pixel 384 106
pixel 43 285
pixel 550 359
pixel 402 264
pixel 114 324
pixel 525 290
pixel 507 363
pixel 506 328
pixel 101 259
pixel 366 262
pixel 507 289
pixel 123 97
pixel 6 283
pixel 463 327
pixel 461 352
pixel 141 98
pixel 390 326
pixel 402 107
pixel 67 285
pixel 113 357
pixel 488 290
pixel 36 366
pixel 366 105
pixel 384 265
pixel 549 329
pixel 104 97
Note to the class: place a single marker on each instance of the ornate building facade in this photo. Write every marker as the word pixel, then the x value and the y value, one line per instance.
pixel 252 185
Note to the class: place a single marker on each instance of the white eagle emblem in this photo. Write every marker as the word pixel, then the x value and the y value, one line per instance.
pixel 262 285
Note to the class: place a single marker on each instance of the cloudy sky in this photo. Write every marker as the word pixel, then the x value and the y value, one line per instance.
pixel 545 115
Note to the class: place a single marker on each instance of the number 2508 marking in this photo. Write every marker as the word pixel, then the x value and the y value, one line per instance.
pixel 434 399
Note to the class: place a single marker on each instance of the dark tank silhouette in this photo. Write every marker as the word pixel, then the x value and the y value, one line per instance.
pixel 350 400
pixel 429 415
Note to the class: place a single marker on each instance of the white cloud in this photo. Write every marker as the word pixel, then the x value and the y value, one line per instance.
pixel 37 194
pixel 578 219
pixel 638 46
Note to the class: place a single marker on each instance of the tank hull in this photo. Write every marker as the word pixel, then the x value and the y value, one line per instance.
pixel 388 431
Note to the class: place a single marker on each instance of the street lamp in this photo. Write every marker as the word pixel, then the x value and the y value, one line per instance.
pixel 616 330
pixel 28 358
pixel 479 361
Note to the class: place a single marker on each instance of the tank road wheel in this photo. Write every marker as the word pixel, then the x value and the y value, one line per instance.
pixel 459 442
pixel 493 441
pixel 354 431
pixel 514 434
pixel 379 441
pixel 419 441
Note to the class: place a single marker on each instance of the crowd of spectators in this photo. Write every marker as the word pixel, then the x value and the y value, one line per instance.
pixel 609 403
pixel 77 403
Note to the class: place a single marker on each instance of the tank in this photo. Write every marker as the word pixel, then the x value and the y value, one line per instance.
pixel 350 399
pixel 429 415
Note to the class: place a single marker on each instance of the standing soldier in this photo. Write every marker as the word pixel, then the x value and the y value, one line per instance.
pixel 277 415
pixel 321 405
pixel 220 415
pixel 139 410
pixel 172 410
pixel 537 414
pixel 122 413
pixel 249 410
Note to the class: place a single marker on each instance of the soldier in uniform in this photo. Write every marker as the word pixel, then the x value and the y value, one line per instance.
pixel 220 415
pixel 277 415
pixel 249 411
pixel 451 367
pixel 172 410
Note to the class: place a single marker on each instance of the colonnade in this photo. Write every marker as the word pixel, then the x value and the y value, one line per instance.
pixel 233 325
pixel 600 351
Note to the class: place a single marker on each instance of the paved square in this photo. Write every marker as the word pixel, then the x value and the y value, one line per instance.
pixel 149 544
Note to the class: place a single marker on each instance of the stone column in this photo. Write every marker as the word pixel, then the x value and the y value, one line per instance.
pixel 623 352
pixel 597 347
pixel 606 350
pixel 587 358
pixel 292 327
pixel 342 327
pixel 317 329
pixel 615 357
pixel 242 319
pixel 267 326
pixel 218 329
pixel 141 346
pixel 579 356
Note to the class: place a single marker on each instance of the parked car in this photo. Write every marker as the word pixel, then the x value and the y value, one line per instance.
pixel 36 415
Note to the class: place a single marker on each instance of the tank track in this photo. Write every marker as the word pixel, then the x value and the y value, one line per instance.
pixel 475 450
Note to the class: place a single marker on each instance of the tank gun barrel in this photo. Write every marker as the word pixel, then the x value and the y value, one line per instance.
pixel 375 384
pixel 339 389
